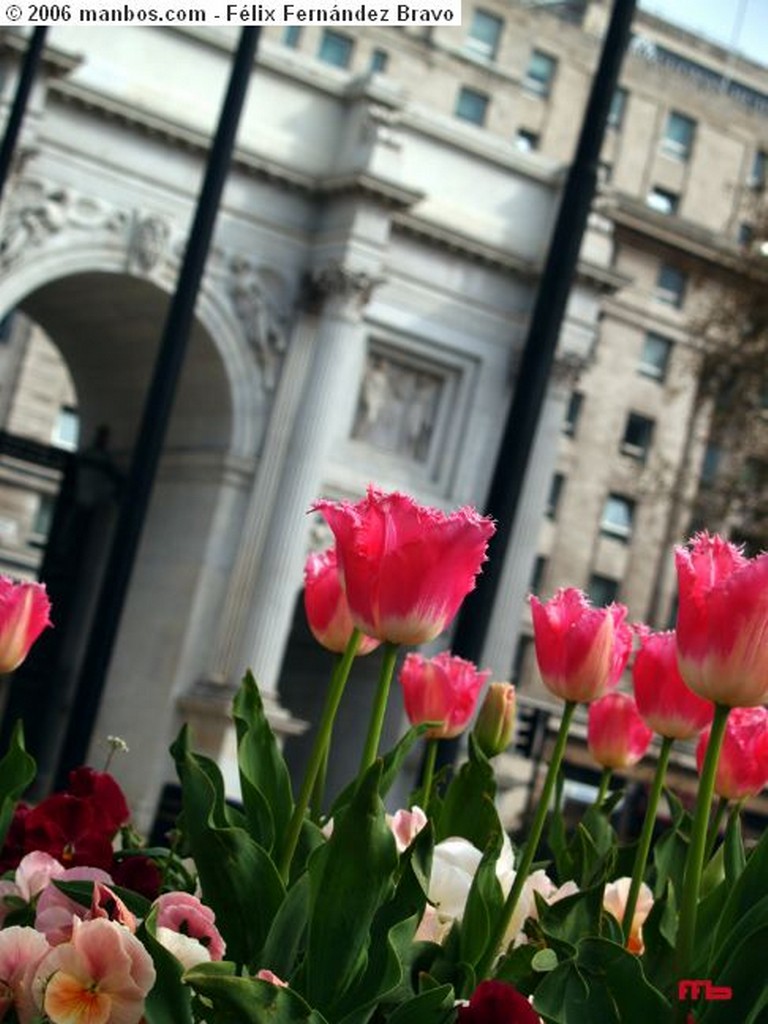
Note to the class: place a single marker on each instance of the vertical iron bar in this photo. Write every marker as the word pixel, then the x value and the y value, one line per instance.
pixel 155 418
pixel 541 341
pixel 23 88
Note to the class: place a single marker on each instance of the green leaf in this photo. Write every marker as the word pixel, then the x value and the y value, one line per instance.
pixel 749 887
pixel 239 881
pixel 659 937
pixel 517 968
pixel 669 855
pixel 603 983
pixel 572 917
pixel 265 782
pixel 434 1006
pixel 484 904
pixel 390 952
pixel 17 771
pixel 740 965
pixel 238 1000
pixel 469 807
pixel 287 935
pixel 169 1001
pixel 733 846
pixel 392 763
pixel 350 877
pixel 82 893
pixel 544 961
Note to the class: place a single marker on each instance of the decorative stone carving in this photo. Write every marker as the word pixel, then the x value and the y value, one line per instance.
pixel 149 243
pixel 380 125
pixel 40 209
pixel 567 368
pixel 262 320
pixel 336 280
pixel 397 407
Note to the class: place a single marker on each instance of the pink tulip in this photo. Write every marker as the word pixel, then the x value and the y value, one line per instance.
pixel 21 950
pixel 441 689
pixel 722 622
pixel 664 701
pixel 180 912
pixel 615 899
pixel 616 734
pixel 101 977
pixel 325 604
pixel 405 826
pixel 581 650
pixel 24 614
pixel 406 568
pixel 742 770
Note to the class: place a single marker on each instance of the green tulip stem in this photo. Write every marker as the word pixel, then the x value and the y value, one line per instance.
pixel 319 752
pixel 714 826
pixel 318 789
pixel 646 835
pixel 429 772
pixel 602 792
pixel 694 862
pixel 376 724
pixel 529 851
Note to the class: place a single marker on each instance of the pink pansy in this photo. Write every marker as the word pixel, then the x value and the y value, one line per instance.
pixel 742 769
pixel 325 604
pixel 24 614
pixel 107 904
pixel 405 826
pixel 666 704
pixel 616 734
pixel 271 977
pixel 184 913
pixel 442 689
pixel 102 976
pixel 33 874
pixel 21 950
pixel 722 622
pixel 581 650
pixel 406 568
pixel 55 911
pixel 615 899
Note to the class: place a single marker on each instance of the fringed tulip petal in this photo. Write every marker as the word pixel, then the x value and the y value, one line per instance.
pixel 664 700
pixel 616 734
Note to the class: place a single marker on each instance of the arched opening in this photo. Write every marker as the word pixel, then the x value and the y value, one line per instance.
pixel 107 328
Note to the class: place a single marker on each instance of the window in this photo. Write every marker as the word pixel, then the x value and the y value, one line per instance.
pixel 537 577
pixel 618 107
pixel 555 493
pixel 526 141
pixel 379 61
pixel 66 429
pixel 618 516
pixel 484 34
pixel 662 201
pixel 291 36
pixel 759 172
pixel 572 413
pixel 471 105
pixel 41 525
pixel 540 73
pixel 602 590
pixel 678 136
pixel 335 49
pixel 670 285
pixel 654 358
pixel 638 435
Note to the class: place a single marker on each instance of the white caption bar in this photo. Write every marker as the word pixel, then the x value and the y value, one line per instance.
pixel 217 12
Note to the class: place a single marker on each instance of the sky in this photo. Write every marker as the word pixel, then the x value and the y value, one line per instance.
pixel 746 21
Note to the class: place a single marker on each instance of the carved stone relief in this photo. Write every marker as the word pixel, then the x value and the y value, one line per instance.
pixel 397 407
pixel 262 319
pixel 149 243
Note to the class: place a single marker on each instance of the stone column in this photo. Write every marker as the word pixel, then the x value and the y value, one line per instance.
pixel 501 640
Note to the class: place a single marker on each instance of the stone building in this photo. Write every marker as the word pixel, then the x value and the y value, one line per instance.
pixel 362 315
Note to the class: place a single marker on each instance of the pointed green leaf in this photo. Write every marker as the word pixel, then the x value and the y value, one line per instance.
pixel 287 935
pixel 572 917
pixel 435 1006
pixel 733 849
pixel 484 904
pixel 749 887
pixel 469 806
pixel 169 1001
pixel 238 1000
pixel 17 771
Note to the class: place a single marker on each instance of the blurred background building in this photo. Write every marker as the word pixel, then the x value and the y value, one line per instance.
pixel 361 319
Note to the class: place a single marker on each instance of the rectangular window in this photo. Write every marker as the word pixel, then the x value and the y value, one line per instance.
pixel 602 590
pixel 618 517
pixel 484 34
pixel 379 61
pixel 759 172
pixel 678 136
pixel 66 429
pixel 555 493
pixel 291 36
pixel 41 525
pixel 335 48
pixel 670 285
pixel 638 435
pixel 618 107
pixel 540 73
pixel 662 201
pixel 472 105
pixel 654 358
pixel 572 413
pixel 537 577
pixel 526 141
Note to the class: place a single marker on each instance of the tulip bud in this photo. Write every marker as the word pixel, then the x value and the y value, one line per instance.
pixel 24 609
pixel 496 720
